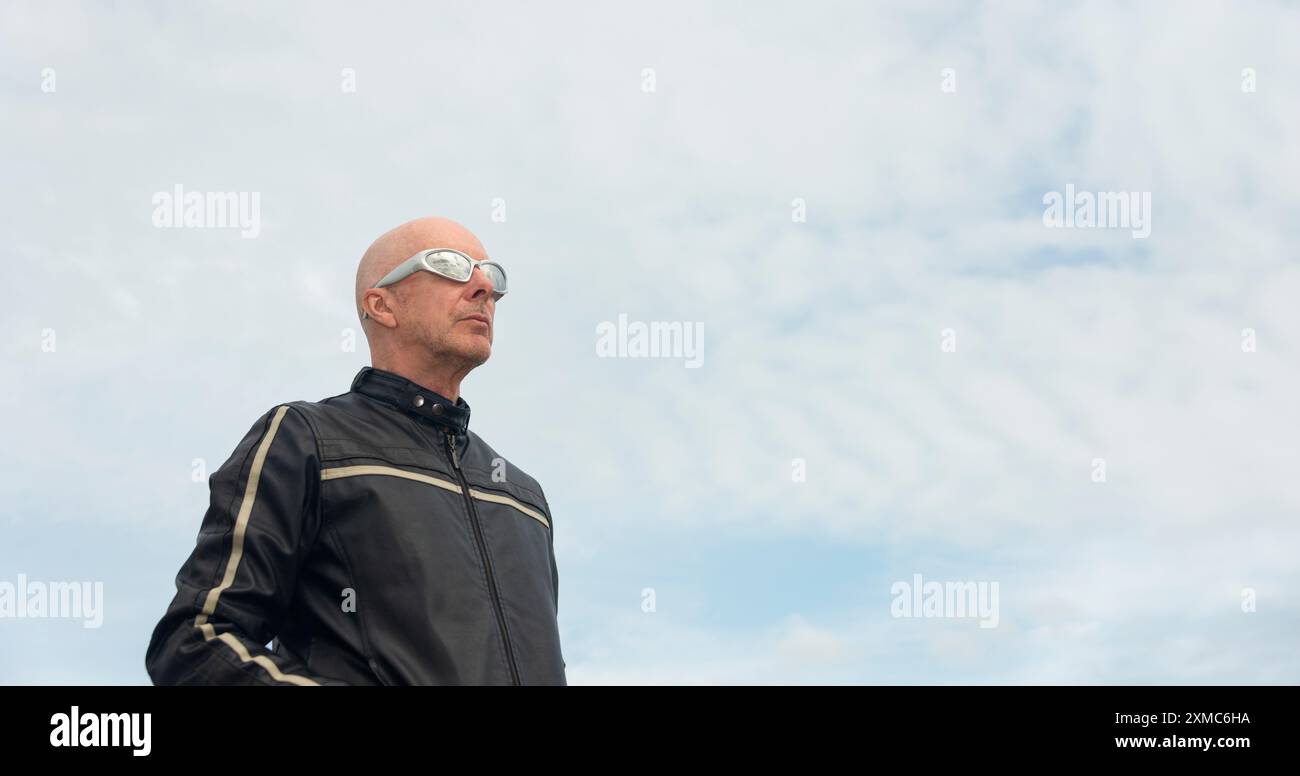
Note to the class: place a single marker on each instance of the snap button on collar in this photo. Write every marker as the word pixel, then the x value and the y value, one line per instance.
pixel 403 393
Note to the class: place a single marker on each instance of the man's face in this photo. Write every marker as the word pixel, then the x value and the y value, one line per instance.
pixel 449 319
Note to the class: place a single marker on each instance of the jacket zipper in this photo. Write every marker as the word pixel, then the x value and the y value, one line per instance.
pixel 487 562
pixel 380 675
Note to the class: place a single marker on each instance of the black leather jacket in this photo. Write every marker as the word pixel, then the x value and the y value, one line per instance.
pixel 378 541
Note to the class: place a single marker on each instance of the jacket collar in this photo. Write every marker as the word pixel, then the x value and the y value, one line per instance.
pixel 413 398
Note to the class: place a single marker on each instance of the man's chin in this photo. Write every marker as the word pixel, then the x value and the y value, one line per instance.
pixel 475 352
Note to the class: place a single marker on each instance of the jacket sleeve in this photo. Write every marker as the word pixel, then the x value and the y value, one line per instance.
pixel 555 576
pixel 555 570
pixel 234 590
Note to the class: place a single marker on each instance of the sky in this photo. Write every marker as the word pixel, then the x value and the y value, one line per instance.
pixel 905 369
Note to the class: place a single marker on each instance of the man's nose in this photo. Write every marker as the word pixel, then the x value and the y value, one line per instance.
pixel 480 283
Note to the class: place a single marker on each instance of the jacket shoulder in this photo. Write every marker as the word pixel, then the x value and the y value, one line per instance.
pixel 324 414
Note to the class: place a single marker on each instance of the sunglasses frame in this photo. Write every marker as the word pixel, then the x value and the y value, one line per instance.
pixel 420 261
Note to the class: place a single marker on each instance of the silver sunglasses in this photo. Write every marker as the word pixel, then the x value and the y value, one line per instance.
pixel 447 263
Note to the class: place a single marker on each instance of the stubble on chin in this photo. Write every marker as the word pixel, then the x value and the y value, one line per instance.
pixel 472 350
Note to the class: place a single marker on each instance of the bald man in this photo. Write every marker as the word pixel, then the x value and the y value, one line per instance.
pixel 371 537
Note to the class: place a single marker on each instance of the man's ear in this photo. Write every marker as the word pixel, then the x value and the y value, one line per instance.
pixel 376 303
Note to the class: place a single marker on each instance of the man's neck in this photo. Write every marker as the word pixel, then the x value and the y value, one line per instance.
pixel 442 378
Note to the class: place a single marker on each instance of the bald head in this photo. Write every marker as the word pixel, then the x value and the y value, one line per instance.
pixel 426 327
pixel 401 243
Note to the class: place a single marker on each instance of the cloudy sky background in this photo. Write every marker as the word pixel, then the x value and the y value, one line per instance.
pixel 821 339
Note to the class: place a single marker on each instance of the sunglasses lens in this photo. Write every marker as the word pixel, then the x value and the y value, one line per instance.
pixel 451 265
pixel 496 275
